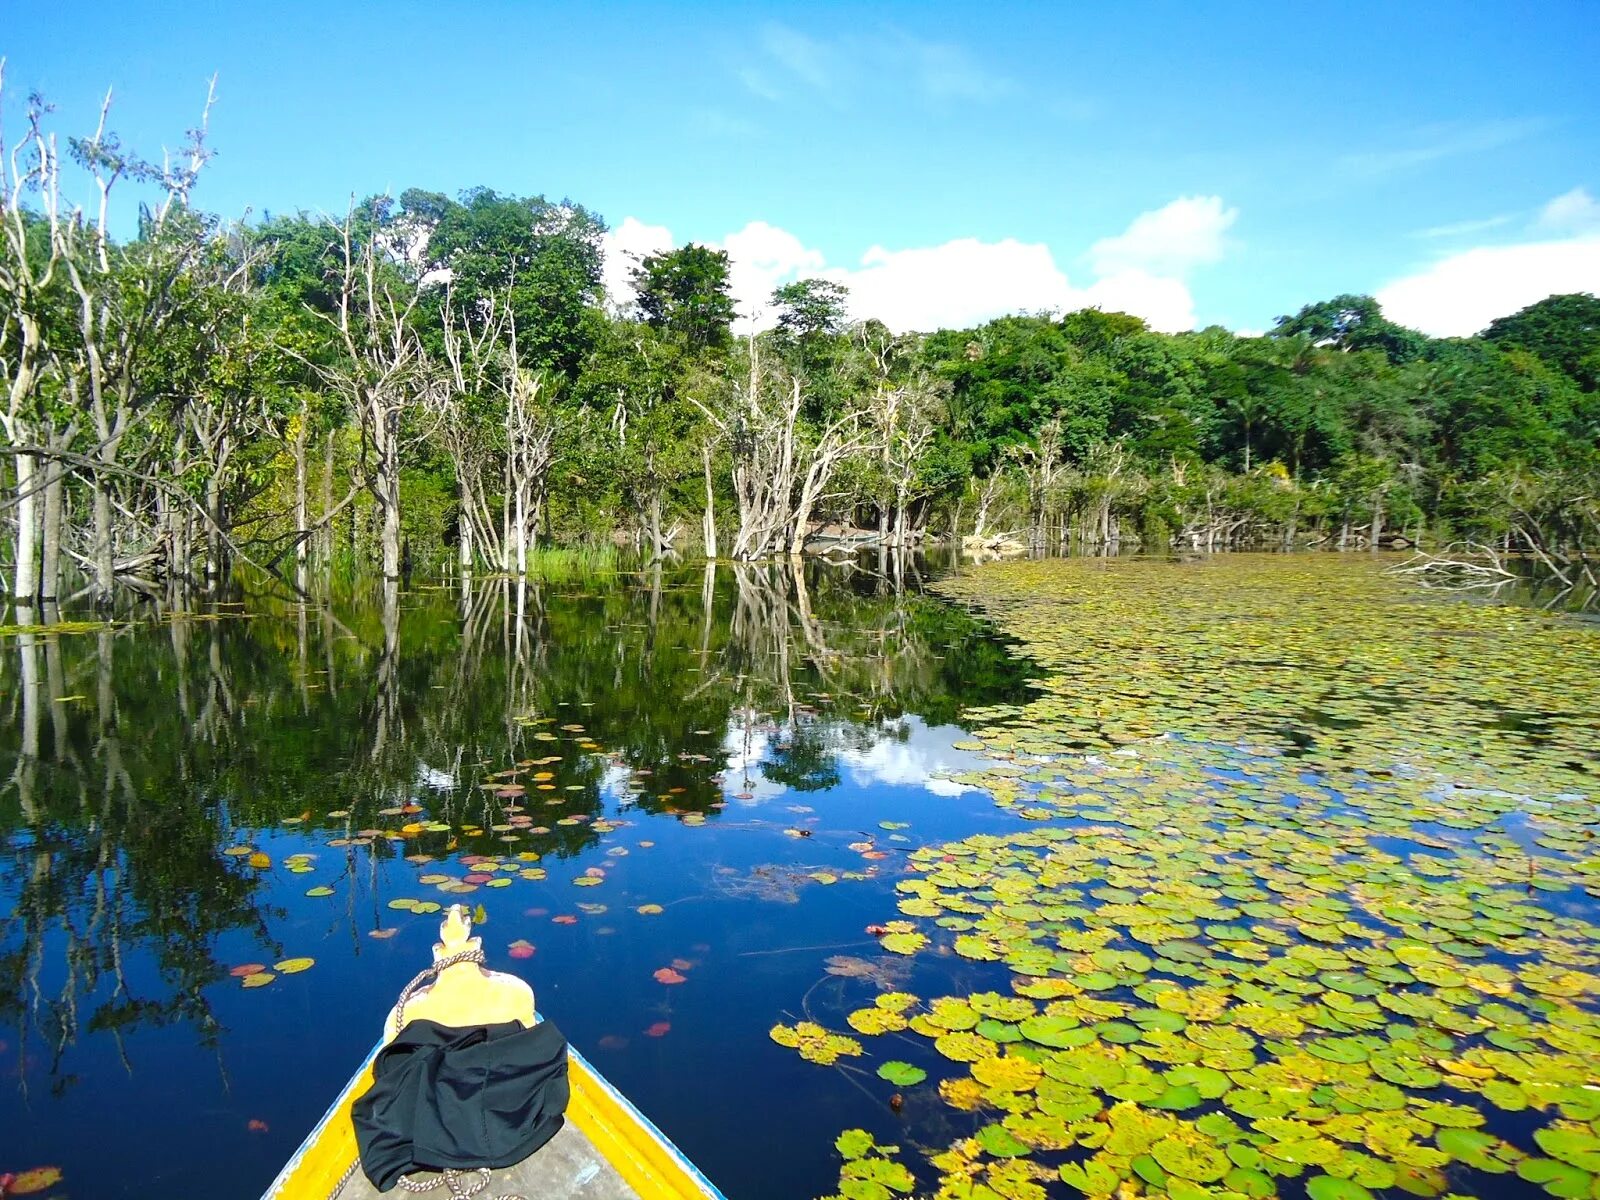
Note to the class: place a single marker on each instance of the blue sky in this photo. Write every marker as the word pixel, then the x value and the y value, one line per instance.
pixel 1213 162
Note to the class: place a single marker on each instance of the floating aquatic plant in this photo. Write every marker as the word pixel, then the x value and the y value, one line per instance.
pixel 1283 914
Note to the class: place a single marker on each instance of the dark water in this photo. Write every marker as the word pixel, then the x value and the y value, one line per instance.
pixel 696 724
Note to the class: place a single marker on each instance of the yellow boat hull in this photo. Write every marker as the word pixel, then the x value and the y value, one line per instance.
pixel 632 1159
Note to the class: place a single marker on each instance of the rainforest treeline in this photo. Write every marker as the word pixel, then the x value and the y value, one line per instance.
pixel 430 381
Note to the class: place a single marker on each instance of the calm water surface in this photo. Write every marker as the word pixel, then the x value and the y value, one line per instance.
pixel 192 796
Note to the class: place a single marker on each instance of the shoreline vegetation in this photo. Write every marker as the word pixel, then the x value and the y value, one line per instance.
pixel 430 383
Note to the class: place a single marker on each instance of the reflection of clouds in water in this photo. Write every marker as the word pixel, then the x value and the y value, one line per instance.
pixel 907 753
pixel 614 779
pixel 432 777
pixel 922 757
pixel 745 750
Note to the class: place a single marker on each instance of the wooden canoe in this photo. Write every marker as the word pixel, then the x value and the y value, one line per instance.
pixel 607 1150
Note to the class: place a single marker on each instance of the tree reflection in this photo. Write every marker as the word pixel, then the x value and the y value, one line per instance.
pixel 136 755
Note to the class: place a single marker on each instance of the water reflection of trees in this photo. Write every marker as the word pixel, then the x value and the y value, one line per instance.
pixel 135 756
pixel 108 864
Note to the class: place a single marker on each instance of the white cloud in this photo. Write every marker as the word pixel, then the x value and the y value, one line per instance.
pixel 1459 295
pixel 966 281
pixel 760 257
pixel 1170 240
pixel 758 82
pixel 622 246
pixel 1574 212
pixel 959 283
pixel 1164 302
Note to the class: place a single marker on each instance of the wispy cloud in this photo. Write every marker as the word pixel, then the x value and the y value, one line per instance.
pixel 808 60
pixel 949 73
pixel 1435 143
pixel 759 82
pixel 1462 228
pixel 790 62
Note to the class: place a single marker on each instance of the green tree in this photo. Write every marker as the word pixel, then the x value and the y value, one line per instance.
pixel 684 292
pixel 543 257
pixel 1564 331
pixel 1350 322
pixel 811 308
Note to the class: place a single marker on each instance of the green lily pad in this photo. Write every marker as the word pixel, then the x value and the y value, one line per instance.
pixel 854 1143
pixel 1190 1155
pixel 901 1074
pixel 1327 1187
pixel 1557 1178
pixel 999 1141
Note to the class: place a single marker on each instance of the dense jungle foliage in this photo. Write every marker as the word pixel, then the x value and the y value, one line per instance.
pixel 430 379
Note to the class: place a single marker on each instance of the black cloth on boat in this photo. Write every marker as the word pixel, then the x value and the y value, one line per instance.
pixel 477 1096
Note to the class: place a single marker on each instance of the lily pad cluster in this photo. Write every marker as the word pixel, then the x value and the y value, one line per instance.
pixel 1305 909
pixel 1319 653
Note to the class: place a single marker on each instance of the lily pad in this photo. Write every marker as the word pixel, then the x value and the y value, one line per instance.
pixel 901 1074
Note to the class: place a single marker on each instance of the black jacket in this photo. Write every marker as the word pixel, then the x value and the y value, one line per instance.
pixel 482 1096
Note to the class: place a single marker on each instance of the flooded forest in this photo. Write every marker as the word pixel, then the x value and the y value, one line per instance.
pixel 1045 758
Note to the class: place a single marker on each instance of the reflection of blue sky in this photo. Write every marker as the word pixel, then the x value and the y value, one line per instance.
pixel 906 753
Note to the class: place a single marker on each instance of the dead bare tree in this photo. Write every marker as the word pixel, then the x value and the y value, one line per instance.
pixel 27 269
pixel 1042 466
pixel 781 470
pixel 759 427
pixel 382 372
pixel 126 299
pixel 530 434
pixel 469 351
pixel 906 447
pixel 708 521
pixel 987 494
pixel 516 446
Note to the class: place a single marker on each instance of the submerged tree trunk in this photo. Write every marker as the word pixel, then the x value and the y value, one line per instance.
pixel 464 526
pixel 391 530
pixel 655 524
pixel 327 500
pixel 104 566
pixel 213 532
pixel 25 584
pixel 520 529
pixel 708 523
pixel 302 517
pixel 54 523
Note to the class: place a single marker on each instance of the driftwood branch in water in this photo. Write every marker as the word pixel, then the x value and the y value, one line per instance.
pixel 1459 566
